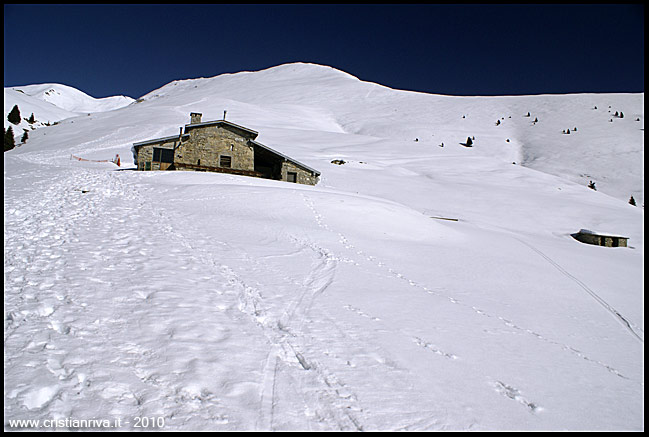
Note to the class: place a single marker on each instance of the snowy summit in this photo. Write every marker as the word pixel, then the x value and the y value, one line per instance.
pixel 420 284
pixel 52 102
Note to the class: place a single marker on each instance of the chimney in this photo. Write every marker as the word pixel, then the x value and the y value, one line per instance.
pixel 195 117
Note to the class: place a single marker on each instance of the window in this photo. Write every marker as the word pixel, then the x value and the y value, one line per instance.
pixel 225 161
pixel 163 155
pixel 291 176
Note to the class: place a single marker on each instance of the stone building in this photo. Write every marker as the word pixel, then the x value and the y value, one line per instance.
pixel 590 237
pixel 220 146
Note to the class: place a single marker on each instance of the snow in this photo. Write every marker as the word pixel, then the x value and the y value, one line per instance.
pixel 223 302
pixel 53 102
pixel 73 100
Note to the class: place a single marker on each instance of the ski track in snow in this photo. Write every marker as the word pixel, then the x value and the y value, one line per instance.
pixel 295 360
pixel 632 328
pixel 333 406
pixel 343 240
pixel 58 216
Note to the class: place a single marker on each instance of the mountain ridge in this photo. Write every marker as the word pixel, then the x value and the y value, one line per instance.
pixel 318 97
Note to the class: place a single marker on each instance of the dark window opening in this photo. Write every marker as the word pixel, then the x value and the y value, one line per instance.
pixel 147 165
pixel 225 161
pixel 291 176
pixel 163 155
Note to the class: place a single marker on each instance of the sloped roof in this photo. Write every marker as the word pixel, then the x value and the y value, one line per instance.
pixel 159 140
pixel 600 234
pixel 288 158
pixel 210 123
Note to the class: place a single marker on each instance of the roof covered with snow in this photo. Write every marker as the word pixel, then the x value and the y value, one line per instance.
pixel 221 122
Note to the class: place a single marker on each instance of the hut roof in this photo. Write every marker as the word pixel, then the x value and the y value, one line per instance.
pixel 227 123
pixel 589 232
pixel 159 140
pixel 288 158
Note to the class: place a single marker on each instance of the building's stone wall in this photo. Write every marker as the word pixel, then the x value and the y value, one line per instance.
pixel 145 154
pixel 209 143
pixel 303 176
pixel 601 240
pixel 614 242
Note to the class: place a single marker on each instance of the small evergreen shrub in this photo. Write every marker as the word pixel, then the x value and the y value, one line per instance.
pixel 10 142
pixel 14 115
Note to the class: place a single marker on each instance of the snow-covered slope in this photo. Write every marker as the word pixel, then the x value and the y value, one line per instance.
pixel 605 148
pixel 214 301
pixel 52 102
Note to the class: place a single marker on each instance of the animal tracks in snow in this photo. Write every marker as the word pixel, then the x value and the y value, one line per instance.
pixel 511 326
pixel 515 394
pixel 279 305
pixel 361 313
pixel 84 272
pixel 426 345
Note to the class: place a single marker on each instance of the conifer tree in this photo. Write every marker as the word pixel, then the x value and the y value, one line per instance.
pixel 24 138
pixel 31 120
pixel 10 143
pixel 632 201
pixel 468 141
pixel 591 185
pixel 14 115
pixel 621 114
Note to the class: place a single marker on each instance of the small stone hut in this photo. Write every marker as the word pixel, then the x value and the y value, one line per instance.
pixel 220 146
pixel 590 237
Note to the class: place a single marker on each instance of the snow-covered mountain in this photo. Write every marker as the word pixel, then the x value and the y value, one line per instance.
pixel 52 102
pixel 416 287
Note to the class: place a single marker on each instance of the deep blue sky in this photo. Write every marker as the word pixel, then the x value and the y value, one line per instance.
pixel 460 49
